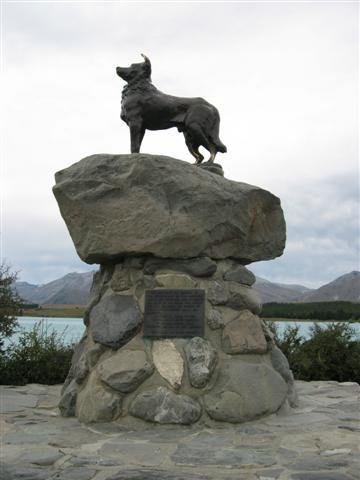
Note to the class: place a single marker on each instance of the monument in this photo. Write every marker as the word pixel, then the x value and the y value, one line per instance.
pixel 173 333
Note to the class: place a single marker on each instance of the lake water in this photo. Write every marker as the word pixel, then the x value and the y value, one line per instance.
pixel 73 328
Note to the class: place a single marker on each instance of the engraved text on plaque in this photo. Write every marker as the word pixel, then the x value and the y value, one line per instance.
pixel 174 313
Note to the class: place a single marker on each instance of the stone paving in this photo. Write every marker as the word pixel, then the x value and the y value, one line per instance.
pixel 320 440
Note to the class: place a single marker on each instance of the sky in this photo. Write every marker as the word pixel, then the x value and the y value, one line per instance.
pixel 283 75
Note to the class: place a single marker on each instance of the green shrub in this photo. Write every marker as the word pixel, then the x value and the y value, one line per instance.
pixel 38 356
pixel 331 353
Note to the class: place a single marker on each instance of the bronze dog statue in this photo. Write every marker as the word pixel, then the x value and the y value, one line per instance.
pixel 144 107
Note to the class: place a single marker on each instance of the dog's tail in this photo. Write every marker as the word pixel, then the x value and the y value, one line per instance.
pixel 220 146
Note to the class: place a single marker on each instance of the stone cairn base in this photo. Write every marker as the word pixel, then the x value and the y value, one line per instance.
pixel 234 372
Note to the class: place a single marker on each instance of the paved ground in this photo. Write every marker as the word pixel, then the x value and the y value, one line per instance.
pixel 318 441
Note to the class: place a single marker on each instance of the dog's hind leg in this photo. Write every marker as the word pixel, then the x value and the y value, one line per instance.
pixel 137 133
pixel 192 149
pixel 213 153
pixel 198 136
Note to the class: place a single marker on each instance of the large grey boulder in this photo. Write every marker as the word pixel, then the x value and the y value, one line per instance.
pixel 245 391
pixel 116 205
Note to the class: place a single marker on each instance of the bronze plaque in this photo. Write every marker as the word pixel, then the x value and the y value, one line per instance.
pixel 174 313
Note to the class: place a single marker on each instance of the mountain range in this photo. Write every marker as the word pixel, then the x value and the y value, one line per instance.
pixel 74 288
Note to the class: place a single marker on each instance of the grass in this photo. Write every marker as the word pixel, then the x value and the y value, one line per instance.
pixel 58 311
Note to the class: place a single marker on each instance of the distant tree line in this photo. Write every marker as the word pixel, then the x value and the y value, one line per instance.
pixel 313 311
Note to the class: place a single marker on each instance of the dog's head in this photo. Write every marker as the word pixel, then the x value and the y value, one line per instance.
pixel 136 71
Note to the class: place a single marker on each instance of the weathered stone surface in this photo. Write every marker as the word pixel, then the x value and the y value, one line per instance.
pixel 217 292
pixel 72 473
pixel 174 280
pixel 198 267
pixel 240 274
pixel 15 403
pixel 316 448
pixel 185 211
pixel 100 282
pixel 281 364
pixel 96 403
pixel 244 335
pixel 201 361
pixel 93 354
pixel 245 391
pixel 78 369
pixel 321 476
pixel 120 280
pixel 115 320
pixel 214 319
pixel 242 297
pixel 68 400
pixel 163 406
pixel 168 361
pixel 212 167
pixel 125 370
pixel 146 474
pixel 41 456
pixel 229 457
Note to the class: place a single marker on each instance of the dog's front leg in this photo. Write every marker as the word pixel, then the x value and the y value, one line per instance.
pixel 137 133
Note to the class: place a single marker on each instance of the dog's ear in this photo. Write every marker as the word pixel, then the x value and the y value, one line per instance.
pixel 147 64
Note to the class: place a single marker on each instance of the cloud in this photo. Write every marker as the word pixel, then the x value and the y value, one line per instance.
pixel 284 77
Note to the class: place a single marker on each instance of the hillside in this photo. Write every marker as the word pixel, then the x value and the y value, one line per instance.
pixel 278 292
pixel 346 287
pixel 74 288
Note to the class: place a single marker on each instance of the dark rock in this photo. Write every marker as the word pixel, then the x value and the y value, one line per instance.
pixel 67 402
pixel 201 361
pixel 245 391
pixel 161 405
pixel 185 211
pixel 115 320
pixel 240 274
pixel 198 267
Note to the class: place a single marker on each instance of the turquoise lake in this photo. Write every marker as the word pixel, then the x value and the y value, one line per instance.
pixel 72 328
